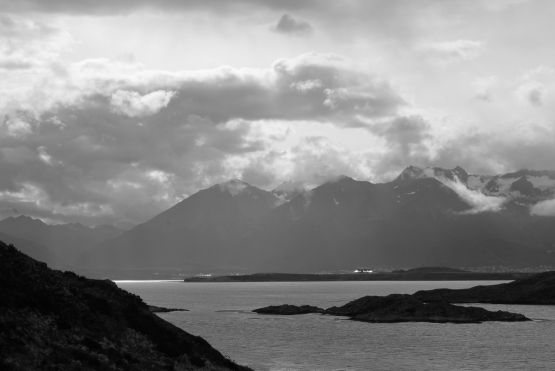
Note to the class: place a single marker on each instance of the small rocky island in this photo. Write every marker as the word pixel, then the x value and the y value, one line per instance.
pixel 52 320
pixel 437 305
pixel 156 309
pixel 399 308
pixel 288 310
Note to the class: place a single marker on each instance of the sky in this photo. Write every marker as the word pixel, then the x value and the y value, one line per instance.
pixel 113 111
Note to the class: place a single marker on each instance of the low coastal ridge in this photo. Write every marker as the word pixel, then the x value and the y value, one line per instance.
pixel 416 274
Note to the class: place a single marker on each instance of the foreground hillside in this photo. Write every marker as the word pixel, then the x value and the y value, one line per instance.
pixel 52 320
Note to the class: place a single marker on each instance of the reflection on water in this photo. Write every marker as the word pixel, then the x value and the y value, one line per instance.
pixel 220 313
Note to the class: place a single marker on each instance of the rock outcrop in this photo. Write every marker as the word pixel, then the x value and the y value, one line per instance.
pixel 287 309
pixel 156 309
pixel 407 308
pixel 53 320
pixel 400 308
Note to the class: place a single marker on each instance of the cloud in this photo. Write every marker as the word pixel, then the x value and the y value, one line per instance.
pixel 406 142
pixel 532 93
pixel 26 43
pixel 291 26
pixel 478 201
pixel 543 208
pixel 483 88
pixel 452 51
pixel 100 7
pixel 312 86
pixel 16 127
pixel 491 152
pixel 133 104
pixel 537 87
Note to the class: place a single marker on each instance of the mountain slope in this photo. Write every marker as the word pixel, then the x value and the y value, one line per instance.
pixel 409 222
pixel 201 232
pixel 51 320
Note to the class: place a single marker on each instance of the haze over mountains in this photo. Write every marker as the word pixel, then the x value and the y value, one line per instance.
pixel 429 216
pixel 58 245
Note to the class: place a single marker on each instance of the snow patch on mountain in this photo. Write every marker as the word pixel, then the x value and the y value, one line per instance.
pixel 478 201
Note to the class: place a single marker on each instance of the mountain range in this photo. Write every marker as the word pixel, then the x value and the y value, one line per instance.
pixel 426 216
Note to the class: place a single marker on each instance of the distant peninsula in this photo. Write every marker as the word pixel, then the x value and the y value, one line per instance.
pixel 416 274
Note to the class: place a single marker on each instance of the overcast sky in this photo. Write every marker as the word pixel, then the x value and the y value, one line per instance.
pixel 112 111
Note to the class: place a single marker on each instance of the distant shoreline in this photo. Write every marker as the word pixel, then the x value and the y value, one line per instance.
pixel 387 276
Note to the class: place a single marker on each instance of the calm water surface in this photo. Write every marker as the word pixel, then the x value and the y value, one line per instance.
pixel 220 313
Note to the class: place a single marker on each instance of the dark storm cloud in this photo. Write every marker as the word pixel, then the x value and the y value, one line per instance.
pixel 291 26
pixel 312 87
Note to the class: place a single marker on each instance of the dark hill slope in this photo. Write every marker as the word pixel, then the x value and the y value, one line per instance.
pixel 52 320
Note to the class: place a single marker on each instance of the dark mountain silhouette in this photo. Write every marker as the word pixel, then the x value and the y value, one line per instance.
pixel 59 244
pixel 425 217
pixel 53 320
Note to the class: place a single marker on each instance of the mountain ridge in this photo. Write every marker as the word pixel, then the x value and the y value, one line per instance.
pixel 429 216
